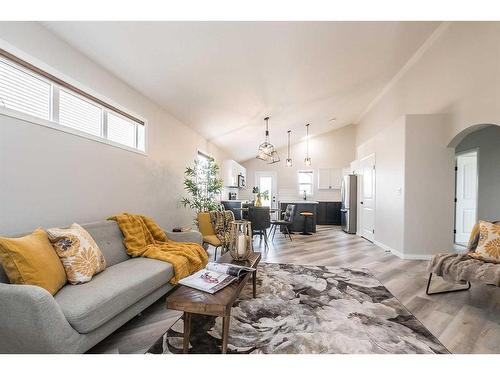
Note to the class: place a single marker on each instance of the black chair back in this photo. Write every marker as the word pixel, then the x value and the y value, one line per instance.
pixel 244 214
pixel 289 214
pixel 259 217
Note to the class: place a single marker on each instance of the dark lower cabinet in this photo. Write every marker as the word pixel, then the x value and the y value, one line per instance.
pixel 321 209
pixel 328 213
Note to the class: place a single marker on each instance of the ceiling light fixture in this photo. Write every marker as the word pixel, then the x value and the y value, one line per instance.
pixel 289 157
pixel 266 150
pixel 307 160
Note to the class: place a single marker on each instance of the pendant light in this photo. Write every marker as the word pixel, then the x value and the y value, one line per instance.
pixel 307 160
pixel 289 157
pixel 274 158
pixel 266 150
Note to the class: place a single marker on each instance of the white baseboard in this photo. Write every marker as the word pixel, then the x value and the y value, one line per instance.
pixel 401 255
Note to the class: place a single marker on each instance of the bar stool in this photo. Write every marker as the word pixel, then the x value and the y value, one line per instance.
pixel 306 215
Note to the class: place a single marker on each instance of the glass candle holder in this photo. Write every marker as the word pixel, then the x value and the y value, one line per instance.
pixel 240 239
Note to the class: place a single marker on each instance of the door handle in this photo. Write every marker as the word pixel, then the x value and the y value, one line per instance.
pixel 361 202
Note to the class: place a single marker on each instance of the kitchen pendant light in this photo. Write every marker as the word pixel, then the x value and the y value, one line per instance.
pixel 274 158
pixel 307 160
pixel 266 150
pixel 289 157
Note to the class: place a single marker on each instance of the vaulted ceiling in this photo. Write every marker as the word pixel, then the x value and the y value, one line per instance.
pixel 223 78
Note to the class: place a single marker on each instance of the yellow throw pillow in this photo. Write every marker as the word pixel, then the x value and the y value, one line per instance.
pixel 488 247
pixel 31 260
pixel 473 238
pixel 80 255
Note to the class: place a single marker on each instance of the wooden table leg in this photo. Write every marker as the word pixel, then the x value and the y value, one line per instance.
pixel 225 332
pixel 254 282
pixel 187 331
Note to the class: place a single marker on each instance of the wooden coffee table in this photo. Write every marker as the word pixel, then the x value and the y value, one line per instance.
pixel 193 301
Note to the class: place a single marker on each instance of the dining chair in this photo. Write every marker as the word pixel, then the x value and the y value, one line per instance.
pixel 244 214
pixel 285 223
pixel 208 232
pixel 260 219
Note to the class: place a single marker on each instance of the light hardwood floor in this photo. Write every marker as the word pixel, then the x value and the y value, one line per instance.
pixel 465 322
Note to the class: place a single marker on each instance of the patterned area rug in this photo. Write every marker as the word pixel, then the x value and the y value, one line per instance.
pixel 309 309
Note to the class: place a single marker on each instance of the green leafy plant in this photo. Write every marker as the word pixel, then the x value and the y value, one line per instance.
pixel 264 195
pixel 203 186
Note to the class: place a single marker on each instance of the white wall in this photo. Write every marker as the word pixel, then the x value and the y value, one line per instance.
pixel 49 177
pixel 414 186
pixel 389 149
pixel 455 76
pixel 457 72
pixel 487 140
pixel 429 187
pixel 334 149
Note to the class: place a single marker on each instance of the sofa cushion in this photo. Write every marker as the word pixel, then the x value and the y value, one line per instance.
pixel 88 306
pixel 109 238
pixel 31 260
pixel 79 254
pixel 212 240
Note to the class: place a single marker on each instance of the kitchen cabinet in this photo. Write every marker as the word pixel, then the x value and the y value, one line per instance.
pixel 321 213
pixel 329 178
pixel 230 171
pixel 328 213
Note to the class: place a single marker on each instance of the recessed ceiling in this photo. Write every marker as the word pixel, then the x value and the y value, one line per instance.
pixel 223 78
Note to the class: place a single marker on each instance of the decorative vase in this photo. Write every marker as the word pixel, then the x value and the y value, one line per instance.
pixel 240 239
pixel 258 202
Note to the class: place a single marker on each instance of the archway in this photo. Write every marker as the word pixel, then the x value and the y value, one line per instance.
pixel 477 177
pixel 453 143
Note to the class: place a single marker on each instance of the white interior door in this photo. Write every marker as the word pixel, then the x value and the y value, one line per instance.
pixel 367 197
pixel 466 196
pixel 267 181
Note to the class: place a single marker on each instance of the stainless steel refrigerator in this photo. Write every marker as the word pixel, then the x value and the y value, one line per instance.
pixel 349 194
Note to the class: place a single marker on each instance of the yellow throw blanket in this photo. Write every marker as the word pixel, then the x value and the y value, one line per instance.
pixel 144 238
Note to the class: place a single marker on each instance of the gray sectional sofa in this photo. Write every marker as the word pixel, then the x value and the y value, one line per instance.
pixel 79 316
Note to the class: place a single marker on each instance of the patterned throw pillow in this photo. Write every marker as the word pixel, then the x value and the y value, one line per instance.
pixel 488 246
pixel 79 254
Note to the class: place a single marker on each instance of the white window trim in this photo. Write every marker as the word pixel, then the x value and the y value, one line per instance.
pixel 55 125
pixel 65 129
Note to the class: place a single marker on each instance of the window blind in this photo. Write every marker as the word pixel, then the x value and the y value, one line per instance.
pixel 24 92
pixel 79 114
pixel 121 131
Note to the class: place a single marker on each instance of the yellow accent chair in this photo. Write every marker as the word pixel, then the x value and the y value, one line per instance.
pixel 208 232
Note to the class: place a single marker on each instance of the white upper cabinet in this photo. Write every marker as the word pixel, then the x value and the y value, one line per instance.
pixel 329 178
pixel 230 171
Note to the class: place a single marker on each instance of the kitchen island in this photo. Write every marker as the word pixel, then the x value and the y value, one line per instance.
pixel 302 206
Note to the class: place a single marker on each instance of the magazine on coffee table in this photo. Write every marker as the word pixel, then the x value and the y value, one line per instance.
pixel 215 276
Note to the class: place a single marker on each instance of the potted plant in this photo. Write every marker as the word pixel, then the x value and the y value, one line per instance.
pixel 203 186
pixel 259 195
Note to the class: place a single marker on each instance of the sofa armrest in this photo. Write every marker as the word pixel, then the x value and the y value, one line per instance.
pixel 31 321
pixel 190 236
